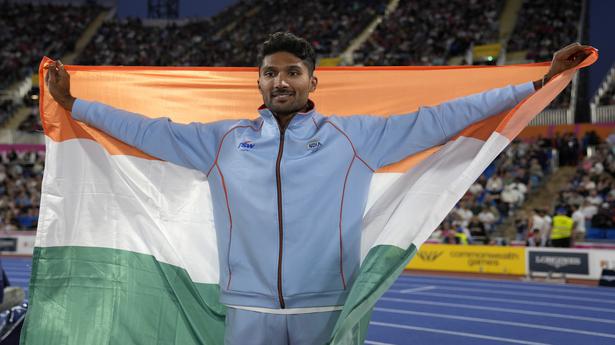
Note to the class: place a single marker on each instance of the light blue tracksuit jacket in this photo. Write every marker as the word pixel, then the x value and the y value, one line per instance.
pixel 288 204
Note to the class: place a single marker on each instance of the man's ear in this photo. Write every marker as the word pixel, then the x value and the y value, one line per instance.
pixel 313 83
pixel 258 85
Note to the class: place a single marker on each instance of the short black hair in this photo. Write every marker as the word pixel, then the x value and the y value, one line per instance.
pixel 287 42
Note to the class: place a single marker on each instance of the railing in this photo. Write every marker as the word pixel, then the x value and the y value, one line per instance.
pixel 603 113
pixel 11 136
pixel 552 117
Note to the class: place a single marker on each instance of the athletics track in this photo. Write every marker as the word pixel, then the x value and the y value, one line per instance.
pixel 435 310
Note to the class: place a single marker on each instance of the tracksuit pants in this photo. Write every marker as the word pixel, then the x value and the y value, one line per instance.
pixel 245 327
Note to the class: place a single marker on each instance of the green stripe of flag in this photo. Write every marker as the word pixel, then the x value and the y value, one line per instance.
pixel 109 296
pixel 381 267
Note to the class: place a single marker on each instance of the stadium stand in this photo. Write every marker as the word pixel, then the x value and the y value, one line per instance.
pixel 7 108
pixel 21 175
pixel 497 194
pixel 603 102
pixel 19 53
pixel 544 26
pixel 231 41
pixel 428 32
pixel 609 96
pixel 591 190
pixel 405 36
pixel 606 96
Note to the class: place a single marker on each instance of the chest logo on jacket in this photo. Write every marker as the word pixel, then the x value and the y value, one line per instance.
pixel 246 146
pixel 314 145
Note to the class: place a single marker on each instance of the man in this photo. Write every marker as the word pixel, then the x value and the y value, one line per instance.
pixel 563 226
pixel 289 189
pixel 579 220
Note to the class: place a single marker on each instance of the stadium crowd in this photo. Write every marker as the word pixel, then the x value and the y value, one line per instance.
pixel 496 194
pixel 588 199
pixel 329 26
pixel 229 38
pixel 428 32
pixel 21 176
pixel 591 191
pixel 20 54
pixel 543 26
pixel 7 109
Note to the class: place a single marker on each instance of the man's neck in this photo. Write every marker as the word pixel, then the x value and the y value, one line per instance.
pixel 285 118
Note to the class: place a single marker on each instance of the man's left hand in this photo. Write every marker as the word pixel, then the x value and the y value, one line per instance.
pixel 564 59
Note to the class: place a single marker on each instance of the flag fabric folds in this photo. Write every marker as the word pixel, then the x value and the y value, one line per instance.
pixel 126 247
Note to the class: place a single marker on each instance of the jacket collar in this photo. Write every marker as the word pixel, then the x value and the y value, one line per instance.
pixel 298 121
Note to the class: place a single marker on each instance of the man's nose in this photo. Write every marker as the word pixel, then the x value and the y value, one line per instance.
pixel 280 81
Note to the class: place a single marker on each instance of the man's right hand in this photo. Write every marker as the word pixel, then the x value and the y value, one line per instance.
pixel 58 83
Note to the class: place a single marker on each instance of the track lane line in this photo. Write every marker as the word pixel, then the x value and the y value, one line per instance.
pixel 498 309
pixel 521 286
pixel 508 300
pixel 497 322
pixel 460 334
pixel 517 293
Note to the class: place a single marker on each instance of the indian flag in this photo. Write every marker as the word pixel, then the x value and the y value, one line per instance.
pixel 126 247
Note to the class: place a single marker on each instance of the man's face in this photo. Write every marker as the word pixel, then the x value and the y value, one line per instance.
pixel 285 82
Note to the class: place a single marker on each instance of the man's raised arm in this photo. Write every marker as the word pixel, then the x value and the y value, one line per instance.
pixel 190 145
pixel 382 141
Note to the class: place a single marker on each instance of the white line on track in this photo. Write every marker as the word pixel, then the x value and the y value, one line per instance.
pixel 495 281
pixel 504 310
pixel 497 322
pixel 530 294
pixel 418 289
pixel 460 334
pixel 520 286
pixel 376 343
pixel 509 300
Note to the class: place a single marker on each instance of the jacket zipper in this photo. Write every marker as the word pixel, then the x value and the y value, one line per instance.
pixel 278 178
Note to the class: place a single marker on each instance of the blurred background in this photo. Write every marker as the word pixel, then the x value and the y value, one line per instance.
pixel 563 165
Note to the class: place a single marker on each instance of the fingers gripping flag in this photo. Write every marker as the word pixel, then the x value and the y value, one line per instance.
pixel 126 248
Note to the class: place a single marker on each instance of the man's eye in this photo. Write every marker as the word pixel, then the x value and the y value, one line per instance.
pixel 268 74
pixel 293 73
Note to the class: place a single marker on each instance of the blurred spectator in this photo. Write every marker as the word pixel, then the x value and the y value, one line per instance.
pixel 579 222
pixel 7 108
pixel 533 239
pixel 478 231
pixel 569 149
pixel 521 226
pixel 562 228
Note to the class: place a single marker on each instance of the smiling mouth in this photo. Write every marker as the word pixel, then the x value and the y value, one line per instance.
pixel 282 96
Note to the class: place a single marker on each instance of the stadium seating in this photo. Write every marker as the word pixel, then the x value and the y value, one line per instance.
pixel 592 189
pixel 501 190
pixel 20 53
pixel 608 98
pixel 20 189
pixel 415 33
pixel 428 32
pixel 543 26
pixel 329 26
